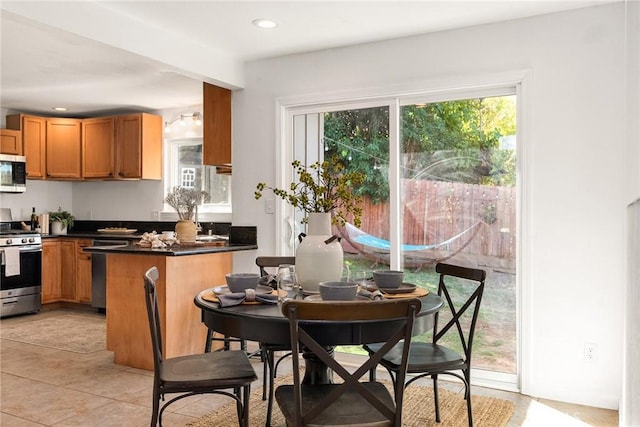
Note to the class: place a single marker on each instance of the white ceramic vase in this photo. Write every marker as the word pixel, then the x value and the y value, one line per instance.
pixel 57 228
pixel 319 256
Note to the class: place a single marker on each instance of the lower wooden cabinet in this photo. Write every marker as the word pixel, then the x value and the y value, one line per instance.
pixel 51 271
pixel 66 270
pixel 83 272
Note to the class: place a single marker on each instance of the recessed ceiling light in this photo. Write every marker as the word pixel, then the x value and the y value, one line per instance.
pixel 264 23
pixel 60 108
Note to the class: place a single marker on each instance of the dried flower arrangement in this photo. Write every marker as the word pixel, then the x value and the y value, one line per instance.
pixel 186 201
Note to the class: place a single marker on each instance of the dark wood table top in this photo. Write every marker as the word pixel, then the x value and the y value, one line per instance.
pixel 266 323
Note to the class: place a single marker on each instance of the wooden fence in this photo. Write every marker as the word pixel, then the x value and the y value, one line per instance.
pixel 434 212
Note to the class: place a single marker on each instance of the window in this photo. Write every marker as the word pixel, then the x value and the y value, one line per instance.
pixel 185 169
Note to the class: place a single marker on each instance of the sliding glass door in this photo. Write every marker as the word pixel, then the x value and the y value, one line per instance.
pixel 440 187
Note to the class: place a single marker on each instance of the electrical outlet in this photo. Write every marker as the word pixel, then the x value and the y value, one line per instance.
pixel 155 215
pixel 590 352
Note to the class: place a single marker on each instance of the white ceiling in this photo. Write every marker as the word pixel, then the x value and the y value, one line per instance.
pixel 104 56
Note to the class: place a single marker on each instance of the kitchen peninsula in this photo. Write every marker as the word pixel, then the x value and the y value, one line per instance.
pixel 184 271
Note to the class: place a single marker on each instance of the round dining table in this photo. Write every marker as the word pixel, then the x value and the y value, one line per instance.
pixel 265 323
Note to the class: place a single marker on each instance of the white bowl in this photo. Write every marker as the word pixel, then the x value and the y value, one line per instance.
pixel 238 282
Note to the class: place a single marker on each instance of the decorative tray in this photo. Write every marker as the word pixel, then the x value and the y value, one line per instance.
pixel 115 230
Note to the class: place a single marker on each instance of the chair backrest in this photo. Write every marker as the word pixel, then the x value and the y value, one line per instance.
pixel 446 289
pixel 303 315
pixel 264 262
pixel 150 278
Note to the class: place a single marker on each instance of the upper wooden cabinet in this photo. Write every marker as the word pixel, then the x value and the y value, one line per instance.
pixel 216 139
pixel 139 146
pixel 98 148
pixel 34 138
pixel 119 147
pixel 11 142
pixel 64 149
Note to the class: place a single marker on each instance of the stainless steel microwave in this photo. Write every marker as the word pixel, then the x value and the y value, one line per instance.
pixel 13 173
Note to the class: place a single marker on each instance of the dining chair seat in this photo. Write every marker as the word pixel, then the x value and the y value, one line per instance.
pixel 351 410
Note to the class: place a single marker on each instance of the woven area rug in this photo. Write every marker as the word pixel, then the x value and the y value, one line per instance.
pixel 418 410
pixel 80 334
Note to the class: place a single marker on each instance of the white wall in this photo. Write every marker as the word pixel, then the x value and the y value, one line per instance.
pixel 574 275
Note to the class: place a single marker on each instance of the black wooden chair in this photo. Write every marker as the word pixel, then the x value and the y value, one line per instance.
pixel 194 374
pixel 270 365
pixel 352 402
pixel 434 359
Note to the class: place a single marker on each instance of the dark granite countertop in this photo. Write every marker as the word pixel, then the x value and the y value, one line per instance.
pixel 94 235
pixel 170 251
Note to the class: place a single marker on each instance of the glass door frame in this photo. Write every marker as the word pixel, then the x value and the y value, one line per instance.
pixel 516 82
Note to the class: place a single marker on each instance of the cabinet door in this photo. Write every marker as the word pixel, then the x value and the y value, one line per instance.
pixel 98 141
pixel 68 267
pixel 34 137
pixel 51 271
pixel 129 146
pixel 11 142
pixel 83 272
pixel 63 149
pixel 216 119
pixel 139 146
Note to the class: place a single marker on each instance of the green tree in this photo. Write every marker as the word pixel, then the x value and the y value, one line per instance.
pixel 446 141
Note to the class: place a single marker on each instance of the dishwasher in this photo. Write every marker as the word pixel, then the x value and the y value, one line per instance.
pixel 99 273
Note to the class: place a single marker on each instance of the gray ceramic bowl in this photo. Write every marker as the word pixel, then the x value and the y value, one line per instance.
pixel 238 282
pixel 338 291
pixel 388 279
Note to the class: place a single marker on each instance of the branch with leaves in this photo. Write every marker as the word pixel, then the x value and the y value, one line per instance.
pixel 323 187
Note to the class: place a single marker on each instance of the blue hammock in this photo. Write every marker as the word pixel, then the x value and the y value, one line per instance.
pixel 358 236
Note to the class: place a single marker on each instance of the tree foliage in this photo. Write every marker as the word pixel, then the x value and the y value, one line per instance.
pixel 445 141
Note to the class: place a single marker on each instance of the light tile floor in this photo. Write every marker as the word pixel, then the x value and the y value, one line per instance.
pixel 41 386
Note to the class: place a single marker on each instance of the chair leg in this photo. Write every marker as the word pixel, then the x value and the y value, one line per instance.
pixel 207 344
pixel 435 397
pixel 246 393
pixel 156 407
pixel 467 394
pixel 272 376
pixel 263 357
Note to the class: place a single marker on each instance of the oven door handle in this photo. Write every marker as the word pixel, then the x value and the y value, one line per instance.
pixel 23 250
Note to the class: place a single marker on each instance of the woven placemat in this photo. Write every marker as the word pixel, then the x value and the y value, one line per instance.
pixel 417 293
pixel 418 409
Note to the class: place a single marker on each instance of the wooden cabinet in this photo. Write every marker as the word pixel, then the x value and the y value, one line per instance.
pixel 34 137
pixel 216 139
pixel 98 148
pixel 139 146
pixel 11 142
pixel 51 271
pixel 83 271
pixel 64 149
pixel 120 147
pixel 66 270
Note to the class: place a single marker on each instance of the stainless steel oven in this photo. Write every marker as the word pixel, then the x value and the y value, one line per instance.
pixel 20 272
